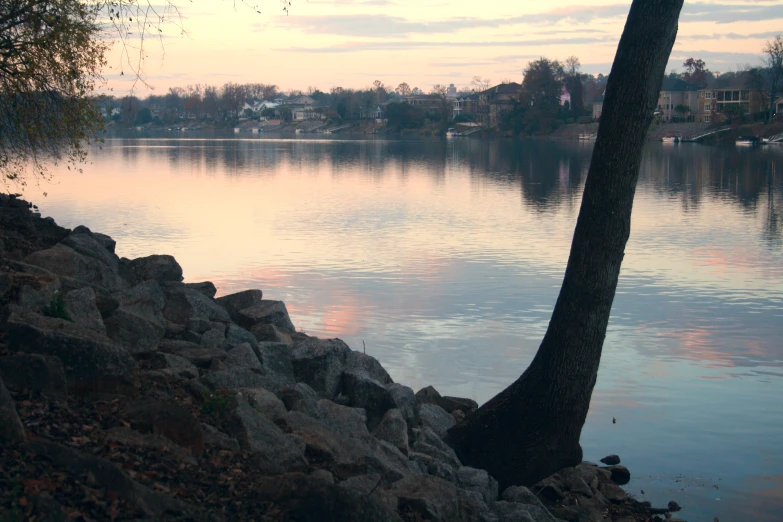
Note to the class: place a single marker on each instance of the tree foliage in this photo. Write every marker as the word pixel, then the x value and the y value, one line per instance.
pixel 696 72
pixel 51 55
pixel 542 88
pixel 774 63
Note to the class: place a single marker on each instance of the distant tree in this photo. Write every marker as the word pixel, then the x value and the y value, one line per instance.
pixel 129 106
pixel 573 83
pixel 542 87
pixel 756 79
pixel 417 92
pixel 683 110
pixel 445 103
pixel 211 101
pixel 403 89
pixel 696 72
pixel 232 96
pixel 403 115
pixel 380 91
pixel 51 55
pixel 480 85
pixel 774 63
pixel 143 116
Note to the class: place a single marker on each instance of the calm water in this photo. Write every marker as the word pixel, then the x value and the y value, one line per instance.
pixel 445 258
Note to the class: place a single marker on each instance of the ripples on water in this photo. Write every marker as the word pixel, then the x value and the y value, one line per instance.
pixel 445 259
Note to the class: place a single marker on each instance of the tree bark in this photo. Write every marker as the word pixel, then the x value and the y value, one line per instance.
pixel 532 428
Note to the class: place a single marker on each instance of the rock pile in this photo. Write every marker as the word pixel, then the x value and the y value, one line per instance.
pixel 127 394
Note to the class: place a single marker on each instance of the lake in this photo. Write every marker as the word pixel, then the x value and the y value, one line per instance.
pixel 443 259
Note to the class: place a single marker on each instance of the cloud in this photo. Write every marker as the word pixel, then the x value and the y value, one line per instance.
pixel 401 45
pixel 731 36
pixel 729 13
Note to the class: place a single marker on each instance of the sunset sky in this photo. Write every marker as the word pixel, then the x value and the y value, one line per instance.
pixel 351 43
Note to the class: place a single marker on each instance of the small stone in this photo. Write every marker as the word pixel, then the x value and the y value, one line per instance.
pixel 620 475
pixel 673 506
pixel 611 460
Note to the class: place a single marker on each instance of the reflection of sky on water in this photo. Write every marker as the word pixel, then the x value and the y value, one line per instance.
pixel 445 259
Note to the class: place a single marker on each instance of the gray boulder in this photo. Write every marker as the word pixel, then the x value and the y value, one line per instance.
pixel 37 374
pixel 159 268
pixel 200 326
pixel 424 497
pixel 393 429
pixel 276 358
pixel 297 496
pixel 342 419
pixel 479 481
pixel 145 300
pixel 430 395
pixel 214 438
pixel 270 333
pixel 265 312
pixel 183 303
pixel 206 287
pixel 472 507
pixel 234 303
pixel 242 356
pixel 265 402
pixel 320 364
pixel 298 396
pixel 346 455
pixel 194 353
pixel 428 442
pixel 132 332
pixel 88 246
pixel 174 365
pixel 92 362
pixel 405 401
pixel 214 338
pixel 368 486
pixel 512 512
pixel 11 428
pixel 237 378
pixel 65 261
pixel 359 362
pixel 435 417
pixel 365 392
pixel 107 242
pixel 81 307
pixel 238 335
pixel 272 450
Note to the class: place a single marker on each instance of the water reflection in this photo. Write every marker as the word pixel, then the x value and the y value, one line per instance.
pixel 445 259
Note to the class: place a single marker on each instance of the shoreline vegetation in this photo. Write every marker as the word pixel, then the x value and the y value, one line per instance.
pixel 128 394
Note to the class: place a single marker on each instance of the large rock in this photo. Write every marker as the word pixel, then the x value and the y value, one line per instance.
pixel 38 374
pixel 270 333
pixel 92 362
pixel 297 496
pixel 234 303
pixel 435 417
pixel 393 429
pixel 194 353
pixel 157 268
pixel 472 507
pixel 107 242
pixel 175 365
pixel 365 392
pixel 298 396
pixel 238 335
pixel 205 287
pixel 620 474
pixel 166 419
pixel 342 419
pixel 265 312
pixel 133 332
pixel 214 438
pixel 242 356
pixel 512 512
pixel 145 300
pixel 344 455
pixel 214 338
pixel 405 401
pixel 368 486
pixel 358 362
pixel 428 442
pixel 265 402
pixel 183 303
pixel 320 363
pixel 430 395
pixel 135 439
pixel 424 497
pixel 11 428
pixel 87 245
pixel 272 450
pixel 65 261
pixel 237 378
pixel 276 358
pixel 479 481
pixel 81 306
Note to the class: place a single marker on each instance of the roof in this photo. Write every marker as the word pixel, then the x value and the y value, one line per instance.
pixel 505 88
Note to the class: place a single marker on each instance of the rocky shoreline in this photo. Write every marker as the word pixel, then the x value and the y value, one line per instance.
pixel 126 394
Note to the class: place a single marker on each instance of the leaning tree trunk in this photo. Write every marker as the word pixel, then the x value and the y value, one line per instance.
pixel 532 428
